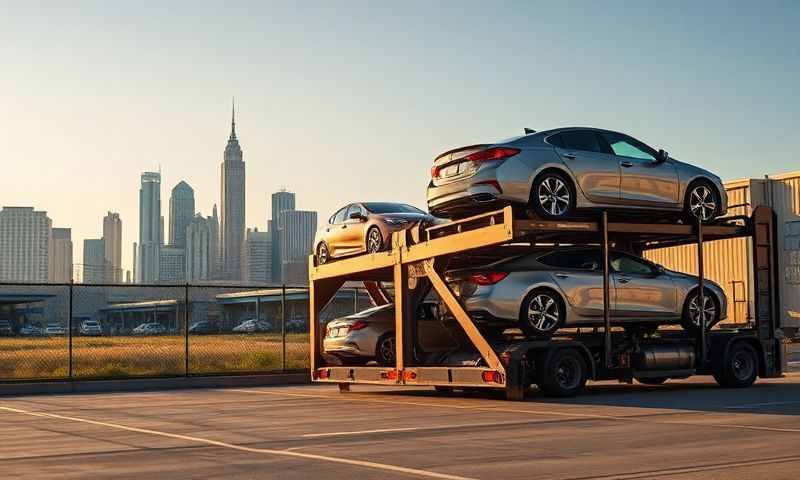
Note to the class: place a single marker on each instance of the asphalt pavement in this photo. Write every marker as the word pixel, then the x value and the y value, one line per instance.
pixel 688 429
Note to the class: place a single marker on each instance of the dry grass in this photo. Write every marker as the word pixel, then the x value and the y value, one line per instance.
pixel 106 357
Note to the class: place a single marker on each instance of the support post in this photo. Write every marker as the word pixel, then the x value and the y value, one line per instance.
pixel 606 293
pixel 400 327
pixel 69 331
pixel 186 328
pixel 702 291
pixel 319 294
pixel 283 326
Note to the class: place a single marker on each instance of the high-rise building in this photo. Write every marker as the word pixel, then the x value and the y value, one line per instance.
pixel 150 228
pixel 257 257
pixel 216 253
pixel 281 202
pixel 24 244
pixel 297 229
pixel 112 239
pixel 60 261
pixel 171 265
pixel 95 267
pixel 201 248
pixel 233 207
pixel 181 213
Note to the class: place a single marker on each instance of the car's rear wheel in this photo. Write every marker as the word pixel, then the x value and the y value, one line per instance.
pixel 702 202
pixel 542 313
pixel 693 313
pixel 553 196
pixel 385 350
pixel 322 253
pixel 374 240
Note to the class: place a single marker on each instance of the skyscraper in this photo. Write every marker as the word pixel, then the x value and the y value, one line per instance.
pixel 171 265
pixel 233 208
pixel 201 248
pixel 297 229
pixel 112 240
pixel 257 257
pixel 60 261
pixel 281 201
pixel 95 267
pixel 24 244
pixel 150 226
pixel 181 213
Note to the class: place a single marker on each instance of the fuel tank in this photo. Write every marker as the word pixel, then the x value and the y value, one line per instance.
pixel 664 356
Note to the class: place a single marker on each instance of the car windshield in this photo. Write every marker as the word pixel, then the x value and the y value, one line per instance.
pixel 387 207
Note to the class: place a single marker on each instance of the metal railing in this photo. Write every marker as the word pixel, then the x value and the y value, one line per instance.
pixel 102 331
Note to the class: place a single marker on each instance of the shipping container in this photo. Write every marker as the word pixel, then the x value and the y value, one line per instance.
pixel 728 257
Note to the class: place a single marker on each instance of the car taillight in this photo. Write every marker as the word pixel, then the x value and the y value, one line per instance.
pixel 435 171
pixel 491 154
pixel 488 278
pixel 358 325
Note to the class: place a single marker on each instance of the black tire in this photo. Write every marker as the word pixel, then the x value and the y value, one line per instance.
pixel 739 369
pixel 374 240
pixel 652 380
pixel 553 196
pixel 322 253
pixel 385 350
pixel 701 196
pixel 689 320
pixel 540 318
pixel 562 373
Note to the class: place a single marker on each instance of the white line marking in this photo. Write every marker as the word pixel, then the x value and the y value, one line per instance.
pixel 587 416
pixel 408 429
pixel 206 441
pixel 764 404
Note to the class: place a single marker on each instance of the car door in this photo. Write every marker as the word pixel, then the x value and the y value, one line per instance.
pixel 594 169
pixel 642 291
pixel 643 180
pixel 579 275
pixel 334 232
pixel 353 229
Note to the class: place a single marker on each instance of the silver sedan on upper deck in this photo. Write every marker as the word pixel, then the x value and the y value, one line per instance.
pixel 556 172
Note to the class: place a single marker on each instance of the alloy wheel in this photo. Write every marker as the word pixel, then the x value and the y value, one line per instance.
pixel 386 350
pixel 708 312
pixel 543 313
pixel 702 203
pixel 322 253
pixel 554 196
pixel 374 241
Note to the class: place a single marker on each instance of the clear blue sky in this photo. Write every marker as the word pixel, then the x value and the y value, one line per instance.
pixel 352 101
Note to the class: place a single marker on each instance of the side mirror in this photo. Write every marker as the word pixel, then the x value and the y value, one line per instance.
pixel 661 270
pixel 662 156
pixel 357 216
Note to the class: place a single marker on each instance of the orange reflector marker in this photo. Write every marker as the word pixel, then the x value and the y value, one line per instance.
pixel 491 376
pixel 409 375
pixel 389 374
pixel 324 373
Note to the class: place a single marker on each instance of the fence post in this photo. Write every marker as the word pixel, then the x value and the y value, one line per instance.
pixel 69 331
pixel 186 327
pixel 283 326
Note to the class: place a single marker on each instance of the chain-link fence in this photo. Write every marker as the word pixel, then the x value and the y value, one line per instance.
pixel 82 331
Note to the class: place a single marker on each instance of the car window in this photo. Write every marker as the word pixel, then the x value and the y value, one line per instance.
pixel 573 260
pixel 386 207
pixel 555 140
pixel 354 208
pixel 584 140
pixel 625 146
pixel 630 265
pixel 339 216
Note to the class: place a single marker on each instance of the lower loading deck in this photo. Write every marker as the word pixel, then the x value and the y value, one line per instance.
pixel 415 265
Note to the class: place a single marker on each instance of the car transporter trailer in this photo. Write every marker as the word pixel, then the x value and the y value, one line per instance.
pixel 561 364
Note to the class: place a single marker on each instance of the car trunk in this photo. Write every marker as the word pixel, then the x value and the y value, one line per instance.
pixel 451 165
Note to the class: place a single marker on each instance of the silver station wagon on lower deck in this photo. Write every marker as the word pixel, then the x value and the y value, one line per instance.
pixel 558 172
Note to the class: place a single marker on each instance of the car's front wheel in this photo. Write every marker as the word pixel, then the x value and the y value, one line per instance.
pixel 553 196
pixel 322 254
pixel 374 240
pixel 702 202
pixel 696 310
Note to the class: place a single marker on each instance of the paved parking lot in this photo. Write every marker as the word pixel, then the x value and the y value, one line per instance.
pixel 683 430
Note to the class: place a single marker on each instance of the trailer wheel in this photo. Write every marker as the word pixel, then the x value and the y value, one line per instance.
pixel 564 373
pixel 740 367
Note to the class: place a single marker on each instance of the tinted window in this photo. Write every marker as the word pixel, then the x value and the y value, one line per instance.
pixel 630 265
pixel 386 207
pixel 556 141
pixel 339 216
pixel 584 140
pixel 573 260
pixel 628 147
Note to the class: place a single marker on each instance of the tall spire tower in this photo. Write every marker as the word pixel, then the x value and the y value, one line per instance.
pixel 232 206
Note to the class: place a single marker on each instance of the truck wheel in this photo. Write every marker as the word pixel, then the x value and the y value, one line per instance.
pixel 740 367
pixel 564 373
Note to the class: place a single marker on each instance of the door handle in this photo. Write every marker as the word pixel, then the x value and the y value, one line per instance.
pixel 626 164
pixel 624 279
pixel 562 275
pixel 570 156
pixel 344 226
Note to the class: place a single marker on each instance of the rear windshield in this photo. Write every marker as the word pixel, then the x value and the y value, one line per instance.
pixel 386 207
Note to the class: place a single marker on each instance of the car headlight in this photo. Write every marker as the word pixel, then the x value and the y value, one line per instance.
pixel 396 221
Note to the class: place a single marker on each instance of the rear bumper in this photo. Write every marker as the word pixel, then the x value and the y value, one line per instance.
pixel 353 345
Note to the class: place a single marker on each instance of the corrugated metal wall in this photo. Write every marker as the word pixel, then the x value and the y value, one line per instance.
pixel 728 261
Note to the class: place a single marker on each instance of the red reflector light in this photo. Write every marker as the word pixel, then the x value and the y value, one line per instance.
pixel 491 376
pixel 409 375
pixel 391 375
pixel 492 154
pixel 488 278
pixel 323 373
pixel 435 171
pixel 358 325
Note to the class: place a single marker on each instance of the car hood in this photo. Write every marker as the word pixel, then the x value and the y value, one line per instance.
pixel 693 170
pixel 411 217
pixel 686 276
